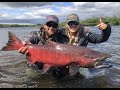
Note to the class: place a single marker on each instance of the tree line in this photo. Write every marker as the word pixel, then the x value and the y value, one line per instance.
pixel 15 25
pixel 114 20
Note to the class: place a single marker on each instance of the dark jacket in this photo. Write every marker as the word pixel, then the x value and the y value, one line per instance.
pixel 87 36
pixel 38 37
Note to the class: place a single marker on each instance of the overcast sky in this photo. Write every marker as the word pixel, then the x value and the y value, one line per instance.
pixel 36 12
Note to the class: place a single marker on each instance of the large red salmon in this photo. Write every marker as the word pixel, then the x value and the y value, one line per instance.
pixel 55 54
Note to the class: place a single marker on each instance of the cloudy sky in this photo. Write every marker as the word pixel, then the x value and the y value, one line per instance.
pixel 36 12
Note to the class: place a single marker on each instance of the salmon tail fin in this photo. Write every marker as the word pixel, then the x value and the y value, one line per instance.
pixel 13 43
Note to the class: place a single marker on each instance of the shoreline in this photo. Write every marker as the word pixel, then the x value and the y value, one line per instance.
pixel 87 22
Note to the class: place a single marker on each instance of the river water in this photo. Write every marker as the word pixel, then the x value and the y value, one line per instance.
pixel 13 65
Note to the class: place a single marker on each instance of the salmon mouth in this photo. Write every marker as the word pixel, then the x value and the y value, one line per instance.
pixel 100 59
pixel 99 63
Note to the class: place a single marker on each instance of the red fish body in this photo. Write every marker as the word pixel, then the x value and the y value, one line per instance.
pixel 57 54
pixel 63 54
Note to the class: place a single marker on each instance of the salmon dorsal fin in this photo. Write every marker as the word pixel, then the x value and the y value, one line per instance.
pixel 46 67
pixel 73 69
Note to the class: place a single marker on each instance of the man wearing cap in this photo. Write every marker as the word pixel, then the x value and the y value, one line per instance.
pixel 81 35
pixel 49 31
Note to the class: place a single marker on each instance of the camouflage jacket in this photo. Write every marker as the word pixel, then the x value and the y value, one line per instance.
pixel 85 35
pixel 38 37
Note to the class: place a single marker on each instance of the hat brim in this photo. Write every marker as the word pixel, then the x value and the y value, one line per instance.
pixel 51 21
pixel 72 20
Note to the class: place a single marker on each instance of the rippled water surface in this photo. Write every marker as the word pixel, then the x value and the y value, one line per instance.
pixel 13 65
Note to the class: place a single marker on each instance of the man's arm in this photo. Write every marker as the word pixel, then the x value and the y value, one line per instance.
pixel 32 38
pixel 99 38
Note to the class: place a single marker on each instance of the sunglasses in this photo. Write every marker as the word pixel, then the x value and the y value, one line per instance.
pixel 52 24
pixel 73 22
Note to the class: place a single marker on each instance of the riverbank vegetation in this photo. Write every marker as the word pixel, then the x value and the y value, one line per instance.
pixel 114 20
pixel 15 25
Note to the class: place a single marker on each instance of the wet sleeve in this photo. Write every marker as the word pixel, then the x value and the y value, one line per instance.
pixel 32 37
pixel 99 38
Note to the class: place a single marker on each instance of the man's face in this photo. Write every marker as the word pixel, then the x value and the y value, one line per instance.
pixel 73 26
pixel 50 28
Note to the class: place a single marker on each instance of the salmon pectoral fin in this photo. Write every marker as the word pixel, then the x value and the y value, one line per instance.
pixel 46 67
pixel 73 69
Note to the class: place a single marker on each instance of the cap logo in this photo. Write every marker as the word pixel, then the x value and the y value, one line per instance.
pixel 72 17
pixel 52 18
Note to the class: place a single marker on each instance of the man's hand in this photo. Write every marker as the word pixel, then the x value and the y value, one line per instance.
pixel 23 50
pixel 101 25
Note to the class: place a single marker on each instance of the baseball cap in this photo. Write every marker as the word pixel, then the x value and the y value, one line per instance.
pixel 73 17
pixel 52 18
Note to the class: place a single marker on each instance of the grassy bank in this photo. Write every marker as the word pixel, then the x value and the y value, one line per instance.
pixel 94 21
pixel 87 22
pixel 15 25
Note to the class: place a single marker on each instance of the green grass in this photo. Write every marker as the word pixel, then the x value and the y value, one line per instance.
pixel 15 25
pixel 94 21
pixel 114 20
